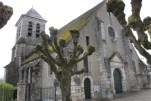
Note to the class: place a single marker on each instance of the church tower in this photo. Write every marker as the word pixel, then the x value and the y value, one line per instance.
pixel 29 27
pixel 28 36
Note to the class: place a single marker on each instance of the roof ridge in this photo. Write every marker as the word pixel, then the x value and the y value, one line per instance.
pixel 83 14
pixel 79 22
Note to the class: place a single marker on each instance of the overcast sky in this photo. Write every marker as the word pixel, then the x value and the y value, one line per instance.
pixel 57 12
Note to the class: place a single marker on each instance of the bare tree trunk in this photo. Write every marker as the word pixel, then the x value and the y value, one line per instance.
pixel 65 86
pixel 62 65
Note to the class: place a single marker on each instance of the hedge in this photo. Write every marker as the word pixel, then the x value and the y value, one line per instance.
pixel 6 91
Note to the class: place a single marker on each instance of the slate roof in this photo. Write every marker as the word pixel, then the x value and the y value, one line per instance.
pixel 30 64
pixel 33 13
pixel 78 23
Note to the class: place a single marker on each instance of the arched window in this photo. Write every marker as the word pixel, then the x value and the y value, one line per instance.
pixel 111 33
pixel 87 40
pixel 38 26
pixel 37 30
pixel 18 32
pixel 85 63
pixel 30 24
pixel 85 60
pixel 134 66
pixel 30 28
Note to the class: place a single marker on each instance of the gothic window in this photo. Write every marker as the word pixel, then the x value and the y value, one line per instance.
pixel 37 30
pixel 30 24
pixel 22 75
pixel 18 32
pixel 49 70
pixel 111 33
pixel 85 62
pixel 134 66
pixel 30 29
pixel 87 40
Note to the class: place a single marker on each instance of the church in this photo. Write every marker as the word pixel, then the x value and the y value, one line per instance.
pixel 114 68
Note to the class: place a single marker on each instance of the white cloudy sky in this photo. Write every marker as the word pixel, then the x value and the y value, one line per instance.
pixel 56 12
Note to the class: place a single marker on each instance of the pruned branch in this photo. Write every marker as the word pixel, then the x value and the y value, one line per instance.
pixel 47 41
pixel 81 58
pixel 78 72
pixel 75 36
pixel 90 50
pixel 134 22
pixel 53 33
pixel 141 50
pixel 46 53
pixel 136 7
pixel 80 50
pixel 5 14
pixel 117 8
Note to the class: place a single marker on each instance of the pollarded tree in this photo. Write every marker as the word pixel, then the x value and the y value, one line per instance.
pixel 5 14
pixel 62 65
pixel 134 22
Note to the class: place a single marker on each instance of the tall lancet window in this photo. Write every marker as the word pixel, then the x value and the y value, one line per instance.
pixel 111 31
pixel 86 66
pixel 18 32
pixel 30 28
pixel 37 30
pixel 85 61
pixel 87 40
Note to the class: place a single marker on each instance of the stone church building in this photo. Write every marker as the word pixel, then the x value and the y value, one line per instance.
pixel 112 69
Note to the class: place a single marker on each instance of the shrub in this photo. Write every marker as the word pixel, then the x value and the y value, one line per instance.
pixel 6 91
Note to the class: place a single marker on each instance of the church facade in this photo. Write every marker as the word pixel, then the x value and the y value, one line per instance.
pixel 112 69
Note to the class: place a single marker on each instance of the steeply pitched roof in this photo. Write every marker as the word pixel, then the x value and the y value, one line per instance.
pixel 77 23
pixel 33 13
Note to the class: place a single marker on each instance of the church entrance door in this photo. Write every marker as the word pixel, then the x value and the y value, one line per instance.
pixel 117 81
pixel 87 88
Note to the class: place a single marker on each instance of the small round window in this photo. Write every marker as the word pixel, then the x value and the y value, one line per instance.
pixel 111 33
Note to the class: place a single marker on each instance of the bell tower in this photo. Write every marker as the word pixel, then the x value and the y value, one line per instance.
pixel 28 36
pixel 28 31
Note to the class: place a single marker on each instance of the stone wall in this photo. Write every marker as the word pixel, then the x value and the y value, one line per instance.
pixel 12 72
